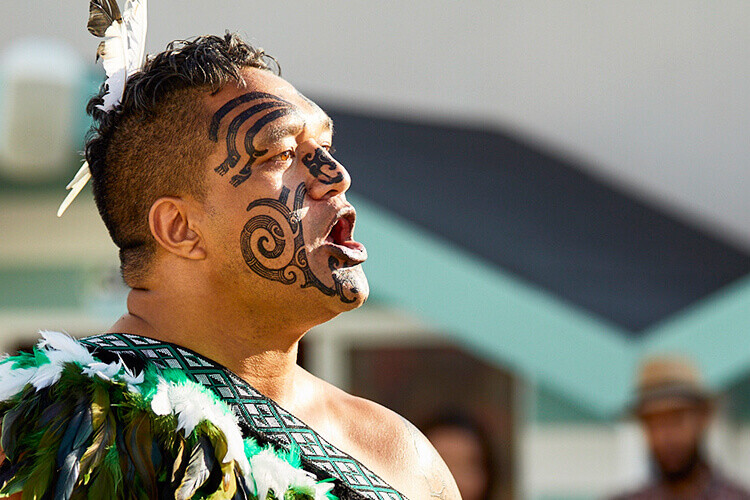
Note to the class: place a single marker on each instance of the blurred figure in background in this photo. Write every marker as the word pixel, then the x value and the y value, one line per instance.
pixel 465 447
pixel 675 410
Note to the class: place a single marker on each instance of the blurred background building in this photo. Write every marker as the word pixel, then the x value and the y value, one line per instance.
pixel 548 191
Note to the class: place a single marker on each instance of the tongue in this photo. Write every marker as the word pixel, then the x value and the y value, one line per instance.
pixel 351 251
pixel 348 249
pixel 354 245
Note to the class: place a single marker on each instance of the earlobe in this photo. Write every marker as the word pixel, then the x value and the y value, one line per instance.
pixel 172 227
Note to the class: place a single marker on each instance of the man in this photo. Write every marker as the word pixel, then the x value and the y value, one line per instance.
pixel 216 180
pixel 467 450
pixel 675 411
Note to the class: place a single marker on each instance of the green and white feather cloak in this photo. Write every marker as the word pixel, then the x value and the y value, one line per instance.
pixel 74 427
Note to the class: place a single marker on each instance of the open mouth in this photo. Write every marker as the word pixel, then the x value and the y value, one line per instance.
pixel 340 241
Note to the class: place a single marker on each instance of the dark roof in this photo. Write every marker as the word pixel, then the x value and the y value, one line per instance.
pixel 536 215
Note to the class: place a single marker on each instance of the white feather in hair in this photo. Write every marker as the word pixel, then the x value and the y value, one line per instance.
pixel 122 52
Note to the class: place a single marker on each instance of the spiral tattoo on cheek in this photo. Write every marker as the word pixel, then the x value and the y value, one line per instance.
pixel 273 245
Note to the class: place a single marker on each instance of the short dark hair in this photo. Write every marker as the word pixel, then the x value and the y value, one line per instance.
pixel 155 141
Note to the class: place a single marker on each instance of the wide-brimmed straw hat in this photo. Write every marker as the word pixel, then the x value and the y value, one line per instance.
pixel 668 382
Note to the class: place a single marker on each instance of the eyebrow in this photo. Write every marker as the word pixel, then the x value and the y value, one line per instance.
pixel 277 131
pixel 274 131
pixel 329 124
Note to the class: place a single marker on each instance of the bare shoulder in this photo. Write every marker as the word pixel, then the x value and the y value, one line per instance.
pixel 389 445
pixel 435 478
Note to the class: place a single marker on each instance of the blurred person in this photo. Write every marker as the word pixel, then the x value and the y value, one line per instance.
pixel 675 410
pixel 216 180
pixel 467 451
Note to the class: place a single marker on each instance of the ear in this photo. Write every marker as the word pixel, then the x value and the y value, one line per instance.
pixel 173 228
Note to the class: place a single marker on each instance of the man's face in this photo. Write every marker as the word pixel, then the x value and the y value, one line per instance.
pixel 278 214
pixel 674 434
pixel 462 452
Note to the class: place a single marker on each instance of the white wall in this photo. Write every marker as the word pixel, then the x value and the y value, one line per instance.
pixel 580 460
pixel 653 93
pixel 577 460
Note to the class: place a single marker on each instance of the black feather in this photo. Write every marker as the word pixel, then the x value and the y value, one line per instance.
pixel 14 485
pixel 126 463
pixel 10 434
pixel 243 492
pixel 8 471
pixel 51 413
pixel 202 461
pixel 104 430
pixel 72 447
pixel 180 463
pixel 102 13
pixel 139 439
pixel 19 419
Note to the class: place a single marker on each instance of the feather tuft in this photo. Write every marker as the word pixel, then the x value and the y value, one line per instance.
pixel 123 52
pixel 273 474
pixel 59 349
pixel 192 403
pixel 124 45
pixel 12 381
pixel 102 13
pixel 63 343
pixel 75 186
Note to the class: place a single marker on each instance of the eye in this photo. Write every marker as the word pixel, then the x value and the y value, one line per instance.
pixel 283 156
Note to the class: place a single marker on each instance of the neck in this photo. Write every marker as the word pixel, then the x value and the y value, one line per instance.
pixel 263 353
pixel 694 480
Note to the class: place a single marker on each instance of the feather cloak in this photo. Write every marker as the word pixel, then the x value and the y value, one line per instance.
pixel 74 427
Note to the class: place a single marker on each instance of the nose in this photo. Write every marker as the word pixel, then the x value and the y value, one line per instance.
pixel 326 177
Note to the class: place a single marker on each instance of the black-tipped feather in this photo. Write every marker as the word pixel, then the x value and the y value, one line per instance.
pixel 200 464
pixel 8 471
pixel 72 447
pixel 10 432
pixel 104 430
pixel 102 13
pixel 106 480
pixel 242 489
pixel 139 442
pixel 180 463
pixel 40 470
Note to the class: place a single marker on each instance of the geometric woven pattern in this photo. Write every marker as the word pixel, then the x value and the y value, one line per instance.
pixel 258 415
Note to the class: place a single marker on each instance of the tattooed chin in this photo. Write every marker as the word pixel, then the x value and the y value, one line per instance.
pixel 351 280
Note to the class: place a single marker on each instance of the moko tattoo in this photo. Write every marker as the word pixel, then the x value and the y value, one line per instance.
pixel 273 244
pixel 262 102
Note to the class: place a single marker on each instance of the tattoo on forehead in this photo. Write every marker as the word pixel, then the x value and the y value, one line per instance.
pixel 273 244
pixel 230 105
pixel 279 108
